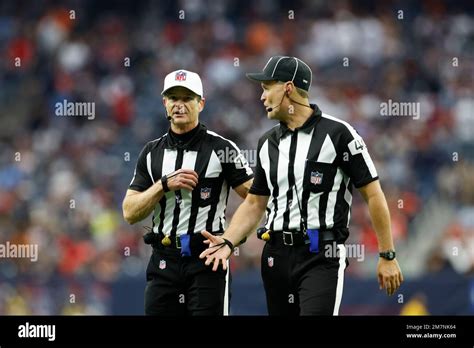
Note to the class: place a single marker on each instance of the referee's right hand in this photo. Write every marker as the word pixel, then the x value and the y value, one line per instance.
pixel 214 253
pixel 182 179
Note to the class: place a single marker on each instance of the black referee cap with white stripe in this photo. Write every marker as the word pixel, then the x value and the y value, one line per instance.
pixel 283 68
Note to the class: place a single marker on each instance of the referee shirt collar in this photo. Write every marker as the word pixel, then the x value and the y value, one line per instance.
pixel 192 144
pixel 306 127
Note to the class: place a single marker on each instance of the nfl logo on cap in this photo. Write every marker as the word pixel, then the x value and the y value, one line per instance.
pixel 162 264
pixel 316 178
pixel 180 76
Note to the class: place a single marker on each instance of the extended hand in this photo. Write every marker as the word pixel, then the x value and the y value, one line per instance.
pixel 389 275
pixel 217 251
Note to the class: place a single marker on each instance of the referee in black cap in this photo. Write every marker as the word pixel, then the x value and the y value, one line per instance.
pixel 306 168
pixel 184 177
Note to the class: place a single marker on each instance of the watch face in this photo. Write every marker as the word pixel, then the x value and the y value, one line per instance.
pixel 389 255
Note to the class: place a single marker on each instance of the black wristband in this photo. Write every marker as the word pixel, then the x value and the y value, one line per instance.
pixel 229 244
pixel 164 182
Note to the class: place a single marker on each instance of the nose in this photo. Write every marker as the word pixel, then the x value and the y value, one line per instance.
pixel 178 107
pixel 263 97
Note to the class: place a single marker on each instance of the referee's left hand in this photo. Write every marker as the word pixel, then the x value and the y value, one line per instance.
pixel 211 254
pixel 389 275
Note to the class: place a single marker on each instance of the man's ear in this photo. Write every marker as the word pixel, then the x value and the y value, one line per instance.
pixel 289 88
pixel 164 101
pixel 202 102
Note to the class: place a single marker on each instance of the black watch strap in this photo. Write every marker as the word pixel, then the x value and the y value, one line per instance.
pixel 388 255
pixel 164 182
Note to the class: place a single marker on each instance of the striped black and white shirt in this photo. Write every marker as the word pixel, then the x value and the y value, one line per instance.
pixel 219 165
pixel 309 173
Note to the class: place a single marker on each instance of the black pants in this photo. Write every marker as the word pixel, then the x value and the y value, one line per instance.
pixel 180 286
pixel 298 282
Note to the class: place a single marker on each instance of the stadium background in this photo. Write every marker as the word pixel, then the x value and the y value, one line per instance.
pixel 65 192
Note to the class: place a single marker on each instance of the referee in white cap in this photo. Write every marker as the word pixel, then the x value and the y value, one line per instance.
pixel 306 168
pixel 184 180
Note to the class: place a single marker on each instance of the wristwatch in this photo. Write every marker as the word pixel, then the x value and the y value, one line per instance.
pixel 388 255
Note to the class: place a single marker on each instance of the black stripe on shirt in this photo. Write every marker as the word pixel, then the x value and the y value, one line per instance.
pixel 179 199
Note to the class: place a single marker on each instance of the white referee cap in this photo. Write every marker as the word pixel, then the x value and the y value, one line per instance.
pixel 183 78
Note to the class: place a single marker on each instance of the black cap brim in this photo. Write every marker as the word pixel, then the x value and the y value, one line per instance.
pixel 259 77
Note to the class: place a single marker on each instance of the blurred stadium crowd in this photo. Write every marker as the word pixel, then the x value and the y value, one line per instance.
pixel 62 179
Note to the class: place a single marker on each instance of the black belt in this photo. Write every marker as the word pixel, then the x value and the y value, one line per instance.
pixel 295 238
pixel 195 243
